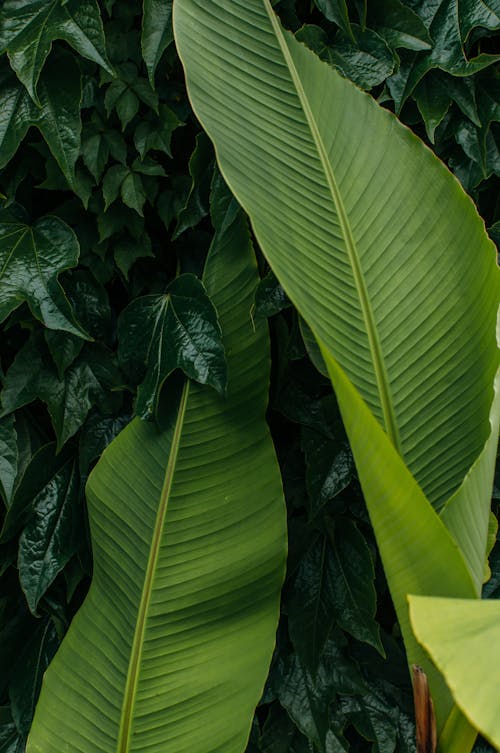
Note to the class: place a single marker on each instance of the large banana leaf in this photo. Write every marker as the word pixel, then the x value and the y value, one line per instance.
pixel 463 639
pixel 171 648
pixel 388 262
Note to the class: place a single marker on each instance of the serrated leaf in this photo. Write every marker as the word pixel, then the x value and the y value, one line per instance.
pixel 9 456
pixel 270 298
pixel 330 467
pixel 112 183
pixel 398 24
pixel 159 333
pixel 57 118
pixel 156 34
pixel 32 257
pixel 132 192
pixel 311 609
pixel 354 584
pixel 63 348
pixel 28 28
pixel 365 58
pixel 375 718
pixel 127 251
pixel 33 376
pixel 447 22
pixel 51 536
pixel 155 133
pixel 336 11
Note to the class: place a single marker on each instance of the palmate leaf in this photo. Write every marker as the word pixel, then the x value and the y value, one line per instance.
pixel 386 259
pixel 171 648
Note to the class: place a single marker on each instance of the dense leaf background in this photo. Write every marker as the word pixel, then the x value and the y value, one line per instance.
pixel 106 183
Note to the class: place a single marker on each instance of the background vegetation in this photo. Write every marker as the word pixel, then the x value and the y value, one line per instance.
pixel 106 180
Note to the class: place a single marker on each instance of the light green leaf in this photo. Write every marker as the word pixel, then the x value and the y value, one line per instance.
pixel 467 512
pixel 172 646
pixel 372 240
pixel 156 33
pixel 370 223
pixel 57 118
pixel 462 639
pixel 28 28
pixel 31 258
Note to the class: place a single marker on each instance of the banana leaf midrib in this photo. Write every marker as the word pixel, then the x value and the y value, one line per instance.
pixel 138 640
pixel 377 357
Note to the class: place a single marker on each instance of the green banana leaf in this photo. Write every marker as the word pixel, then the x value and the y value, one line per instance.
pixel 388 262
pixel 462 638
pixel 171 648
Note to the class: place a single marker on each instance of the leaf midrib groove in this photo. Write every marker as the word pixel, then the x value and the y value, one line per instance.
pixel 138 640
pixel 390 422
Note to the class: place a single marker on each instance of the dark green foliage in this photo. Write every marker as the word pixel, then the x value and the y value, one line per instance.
pixel 105 223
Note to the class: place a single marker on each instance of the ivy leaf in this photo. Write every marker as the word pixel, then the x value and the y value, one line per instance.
pixel 311 609
pixel 32 376
pixel 354 587
pixel 9 456
pixel 157 33
pixel 160 333
pixel 51 536
pixel 336 11
pixel 132 192
pixel 155 132
pixel 398 24
pixel 98 144
pixel 30 667
pixel 270 298
pixel 201 165
pixel 365 58
pixel 95 436
pixel 28 28
pixel 127 251
pixel 449 22
pixel 31 258
pixel 10 741
pixel 375 718
pixel 57 118
pixel 330 468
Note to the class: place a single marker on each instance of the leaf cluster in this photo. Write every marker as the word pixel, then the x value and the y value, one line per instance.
pixel 105 183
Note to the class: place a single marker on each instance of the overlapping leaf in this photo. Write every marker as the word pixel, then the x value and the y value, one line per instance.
pixel 187 565
pixel 28 28
pixel 372 245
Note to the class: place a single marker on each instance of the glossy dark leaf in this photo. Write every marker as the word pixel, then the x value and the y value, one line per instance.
pixel 280 735
pixel 32 257
pixel 158 334
pixel 127 251
pixel 10 740
pixel 9 456
pixel 398 24
pixel 57 118
pixel 201 169
pixel 43 466
pixel 155 132
pixel 28 28
pixel 330 468
pixel 354 587
pixel 33 376
pixel 433 99
pixel 312 606
pixel 64 349
pixel 336 11
pixel 270 298
pixel 30 666
pixel 366 59
pixel 375 718
pixel 95 436
pixel 157 32
pixel 50 538
pixel 307 699
pixel 447 21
